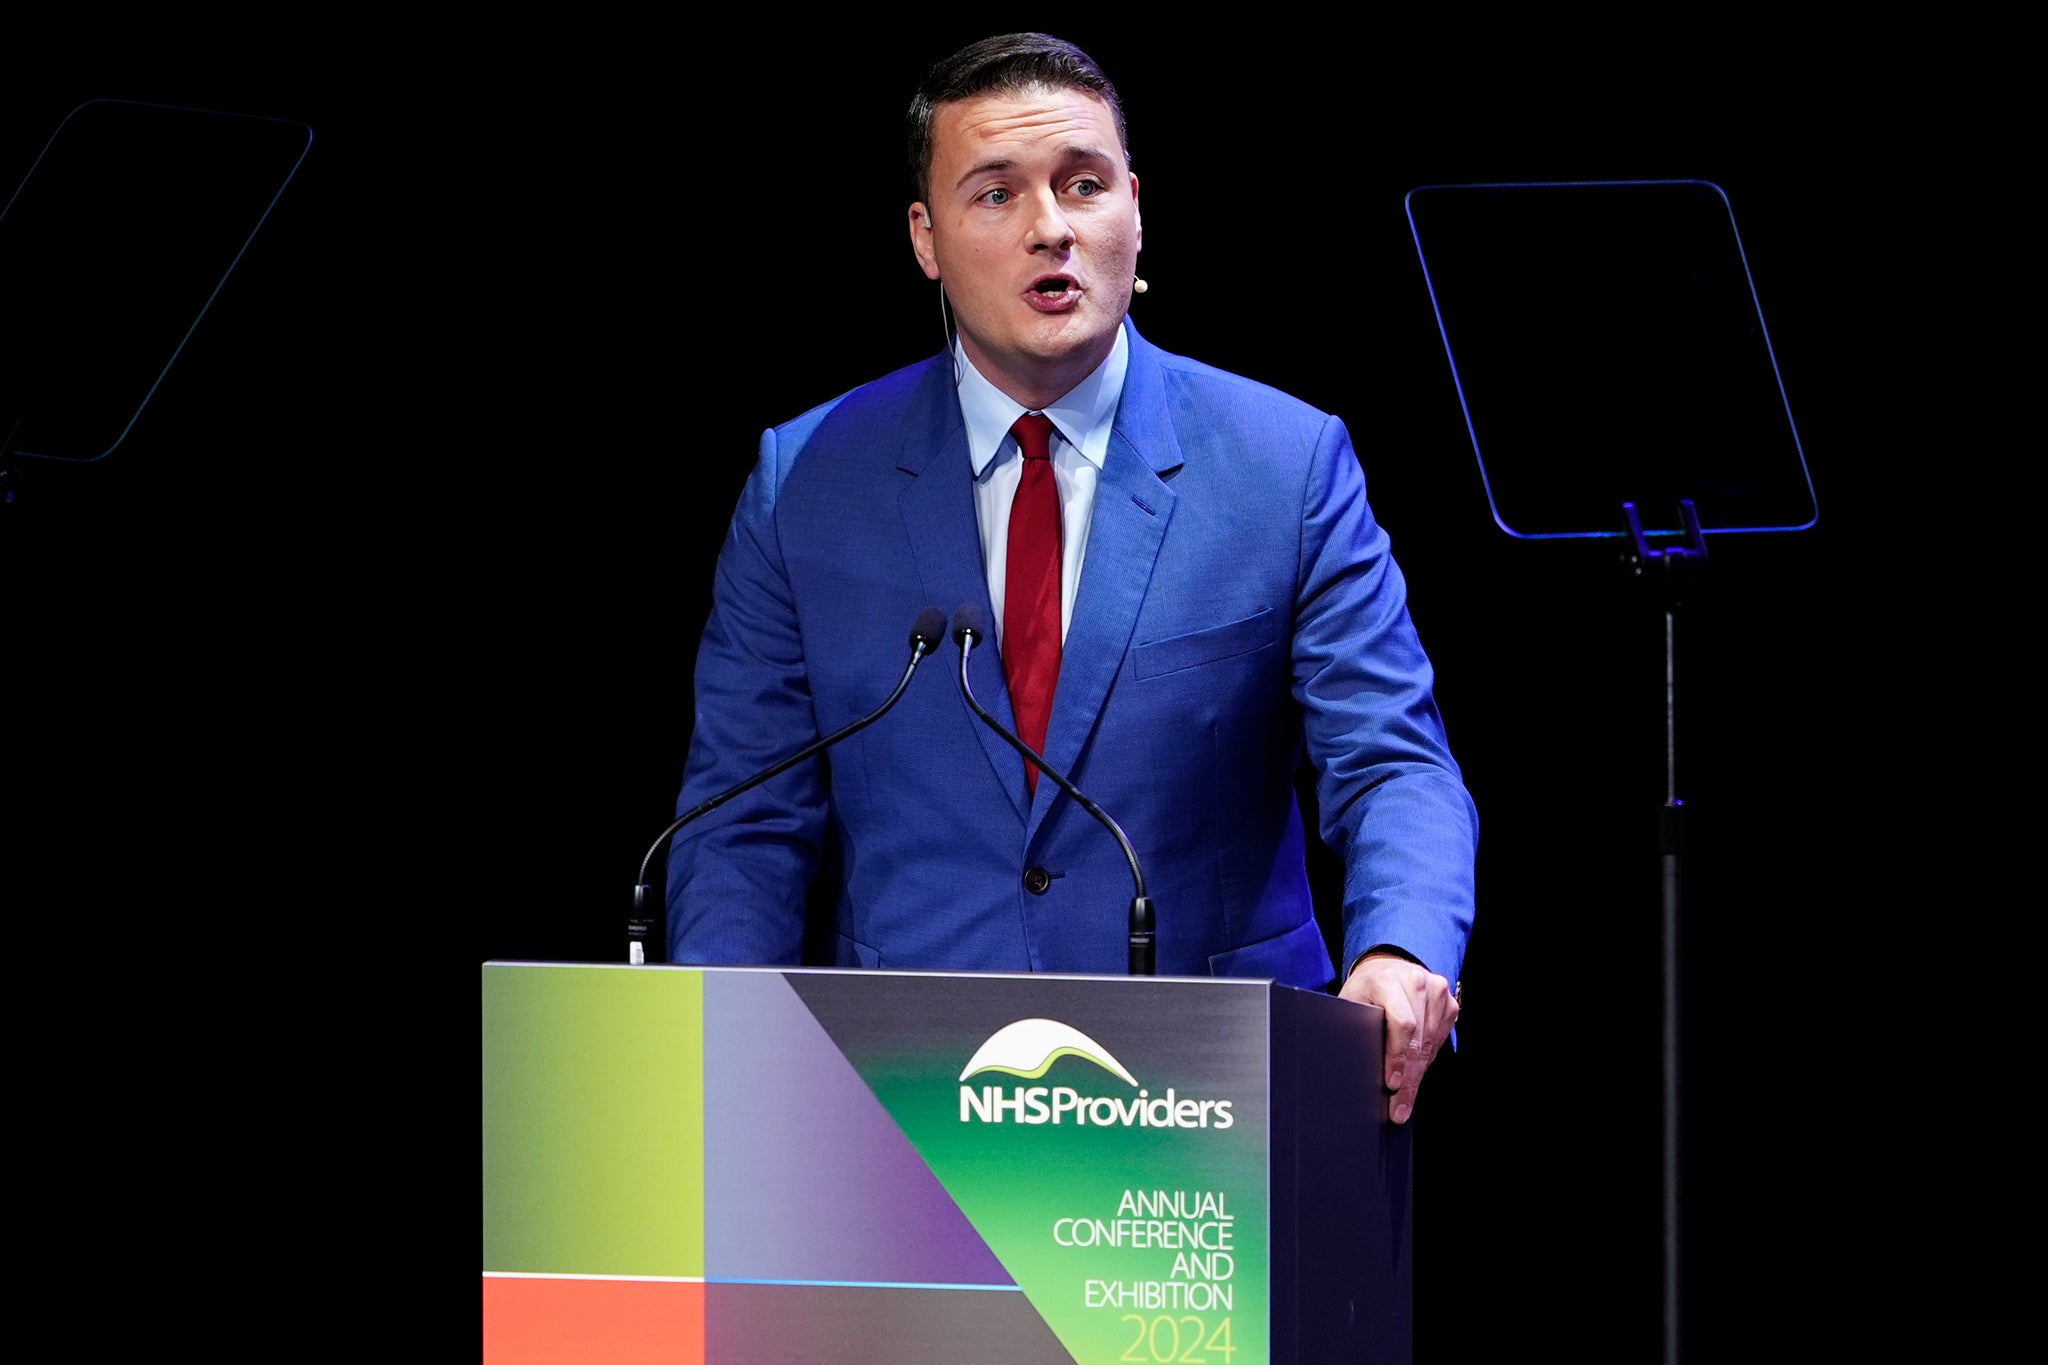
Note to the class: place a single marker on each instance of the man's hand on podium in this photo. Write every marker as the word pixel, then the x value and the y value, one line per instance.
pixel 1420 1007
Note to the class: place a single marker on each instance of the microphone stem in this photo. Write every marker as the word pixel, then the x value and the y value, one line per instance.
pixel 919 649
pixel 1138 877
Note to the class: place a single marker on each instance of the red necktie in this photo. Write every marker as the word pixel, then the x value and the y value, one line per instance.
pixel 1031 589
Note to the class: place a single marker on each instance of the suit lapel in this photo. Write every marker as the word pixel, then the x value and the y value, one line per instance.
pixel 939 519
pixel 1133 507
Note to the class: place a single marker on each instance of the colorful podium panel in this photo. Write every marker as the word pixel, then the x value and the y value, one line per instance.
pixel 840 1166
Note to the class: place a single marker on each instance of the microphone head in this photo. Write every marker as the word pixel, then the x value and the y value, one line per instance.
pixel 929 629
pixel 968 620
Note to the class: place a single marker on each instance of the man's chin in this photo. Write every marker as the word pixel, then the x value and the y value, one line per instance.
pixel 1047 359
pixel 1073 338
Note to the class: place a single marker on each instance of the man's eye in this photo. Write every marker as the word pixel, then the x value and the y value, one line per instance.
pixel 997 196
pixel 1086 188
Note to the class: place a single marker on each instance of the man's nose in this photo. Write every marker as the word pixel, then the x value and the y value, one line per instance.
pixel 1049 226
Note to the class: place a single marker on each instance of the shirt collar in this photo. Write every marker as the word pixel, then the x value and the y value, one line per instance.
pixel 1084 416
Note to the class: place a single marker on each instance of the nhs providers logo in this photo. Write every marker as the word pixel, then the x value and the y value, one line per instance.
pixel 1028 1048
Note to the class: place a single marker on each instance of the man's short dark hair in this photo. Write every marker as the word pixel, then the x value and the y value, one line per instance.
pixel 1005 65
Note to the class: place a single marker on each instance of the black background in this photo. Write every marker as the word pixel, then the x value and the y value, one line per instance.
pixel 365 658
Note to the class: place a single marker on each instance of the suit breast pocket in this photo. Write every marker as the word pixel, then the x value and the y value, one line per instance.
pixel 1255 632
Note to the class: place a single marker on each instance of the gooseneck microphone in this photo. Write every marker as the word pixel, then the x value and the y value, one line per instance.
pixel 925 636
pixel 970 627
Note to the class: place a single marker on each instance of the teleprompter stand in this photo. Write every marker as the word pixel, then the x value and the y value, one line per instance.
pixel 1608 350
pixel 1670 569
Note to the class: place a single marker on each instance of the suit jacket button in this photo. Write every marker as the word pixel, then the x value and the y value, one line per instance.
pixel 1036 880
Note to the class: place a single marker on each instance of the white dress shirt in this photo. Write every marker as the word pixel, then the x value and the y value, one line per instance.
pixel 1081 421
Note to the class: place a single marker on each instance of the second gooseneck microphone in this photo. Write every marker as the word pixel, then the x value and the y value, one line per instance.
pixel 970 627
pixel 925 636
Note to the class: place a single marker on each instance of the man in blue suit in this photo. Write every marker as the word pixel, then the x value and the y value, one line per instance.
pixel 1222 599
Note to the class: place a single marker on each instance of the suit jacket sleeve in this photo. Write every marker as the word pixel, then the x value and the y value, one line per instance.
pixel 739 875
pixel 1392 801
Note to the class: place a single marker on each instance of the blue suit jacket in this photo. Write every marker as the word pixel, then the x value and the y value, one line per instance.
pixel 1238 600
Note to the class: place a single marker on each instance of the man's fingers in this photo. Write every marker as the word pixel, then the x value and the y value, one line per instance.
pixel 1420 1007
pixel 1409 1053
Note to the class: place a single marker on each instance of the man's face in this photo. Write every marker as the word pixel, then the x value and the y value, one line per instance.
pixel 1032 226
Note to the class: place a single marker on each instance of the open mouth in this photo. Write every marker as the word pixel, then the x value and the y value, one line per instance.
pixel 1054 291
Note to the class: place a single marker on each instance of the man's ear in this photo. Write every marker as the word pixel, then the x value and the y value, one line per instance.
pixel 921 243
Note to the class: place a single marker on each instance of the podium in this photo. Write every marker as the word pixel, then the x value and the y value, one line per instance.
pixel 756 1166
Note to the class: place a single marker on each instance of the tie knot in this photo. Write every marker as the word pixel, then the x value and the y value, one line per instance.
pixel 1034 434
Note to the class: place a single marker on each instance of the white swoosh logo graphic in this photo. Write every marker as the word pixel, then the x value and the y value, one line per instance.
pixel 1029 1047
